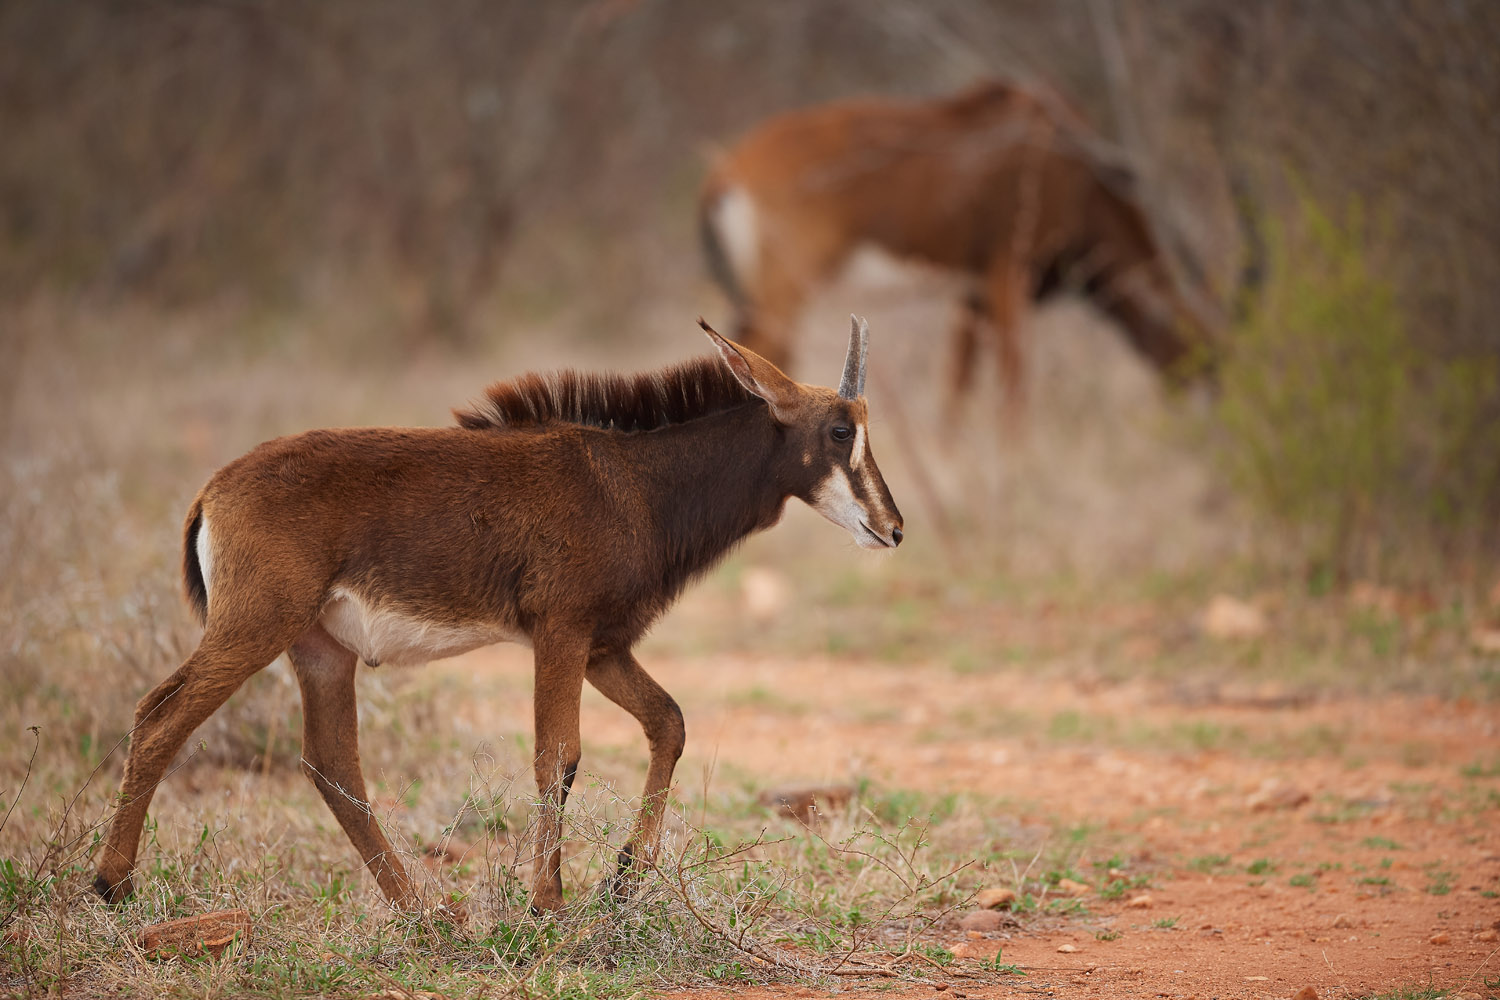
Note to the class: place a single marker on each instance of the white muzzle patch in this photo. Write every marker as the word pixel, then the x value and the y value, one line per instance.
pixel 834 498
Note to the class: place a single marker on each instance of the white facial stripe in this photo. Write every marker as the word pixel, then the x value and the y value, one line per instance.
pixel 857 456
pixel 205 557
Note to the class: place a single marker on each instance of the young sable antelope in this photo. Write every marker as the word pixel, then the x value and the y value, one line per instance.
pixel 566 511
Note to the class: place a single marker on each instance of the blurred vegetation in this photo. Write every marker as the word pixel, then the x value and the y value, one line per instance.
pixel 1339 425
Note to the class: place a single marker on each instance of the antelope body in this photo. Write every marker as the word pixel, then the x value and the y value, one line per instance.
pixel 1000 185
pixel 567 512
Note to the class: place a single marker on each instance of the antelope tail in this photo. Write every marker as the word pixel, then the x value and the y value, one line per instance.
pixel 714 251
pixel 192 570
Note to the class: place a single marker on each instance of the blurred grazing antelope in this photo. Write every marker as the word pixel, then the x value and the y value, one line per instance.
pixel 566 511
pixel 1001 185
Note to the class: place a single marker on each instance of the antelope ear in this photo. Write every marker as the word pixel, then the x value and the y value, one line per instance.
pixel 757 375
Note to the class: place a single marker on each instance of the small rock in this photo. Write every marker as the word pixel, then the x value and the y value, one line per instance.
pixel 1441 937
pixel 1487 935
pixel 1231 618
pixel 1305 993
pixel 209 933
pixel 974 935
pixel 1272 794
pixel 807 804
pixel 1486 640
pixel 1067 949
pixel 994 899
pixel 1341 921
pixel 765 592
pixel 984 921
pixel 445 854
pixel 1071 888
pixel 1369 596
pixel 1141 902
pixel 962 950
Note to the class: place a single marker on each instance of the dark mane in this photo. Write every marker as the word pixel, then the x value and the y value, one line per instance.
pixel 639 402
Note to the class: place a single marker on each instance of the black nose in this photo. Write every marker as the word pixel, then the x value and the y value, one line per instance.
pixel 896 535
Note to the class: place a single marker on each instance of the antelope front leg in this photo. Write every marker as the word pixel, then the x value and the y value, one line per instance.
pixel 620 678
pixel 561 659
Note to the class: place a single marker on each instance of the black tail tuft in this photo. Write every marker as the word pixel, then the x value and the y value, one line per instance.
pixel 192 571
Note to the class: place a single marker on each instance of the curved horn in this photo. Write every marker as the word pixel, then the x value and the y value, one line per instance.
pixel 852 385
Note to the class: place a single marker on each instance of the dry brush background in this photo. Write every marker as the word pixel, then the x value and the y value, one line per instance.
pixel 221 222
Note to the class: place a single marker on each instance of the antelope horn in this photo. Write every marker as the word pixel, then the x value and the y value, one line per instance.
pixel 852 385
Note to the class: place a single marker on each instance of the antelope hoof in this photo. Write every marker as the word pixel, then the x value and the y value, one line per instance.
pixel 627 874
pixel 113 893
pixel 544 903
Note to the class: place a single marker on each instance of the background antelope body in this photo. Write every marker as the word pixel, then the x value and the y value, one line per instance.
pixel 1000 185
pixel 565 512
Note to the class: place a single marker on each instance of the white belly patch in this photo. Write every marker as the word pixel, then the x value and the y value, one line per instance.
pixel 382 635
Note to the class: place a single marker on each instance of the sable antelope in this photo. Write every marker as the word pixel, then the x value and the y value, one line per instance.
pixel 1001 185
pixel 566 511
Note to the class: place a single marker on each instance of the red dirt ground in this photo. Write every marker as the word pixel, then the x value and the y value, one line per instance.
pixel 1387 794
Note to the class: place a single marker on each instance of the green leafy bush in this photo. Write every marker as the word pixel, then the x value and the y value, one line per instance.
pixel 1341 425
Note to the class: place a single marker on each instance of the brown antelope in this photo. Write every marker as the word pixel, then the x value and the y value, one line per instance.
pixel 1001 185
pixel 566 511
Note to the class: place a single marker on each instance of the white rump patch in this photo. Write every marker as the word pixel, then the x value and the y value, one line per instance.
pixel 205 557
pixel 382 635
pixel 735 222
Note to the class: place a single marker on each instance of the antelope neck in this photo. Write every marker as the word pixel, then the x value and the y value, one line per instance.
pixel 711 483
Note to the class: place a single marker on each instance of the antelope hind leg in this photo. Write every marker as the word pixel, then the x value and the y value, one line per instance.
pixel 164 719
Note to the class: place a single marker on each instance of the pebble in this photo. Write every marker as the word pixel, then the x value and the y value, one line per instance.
pixel 994 899
pixel 1067 949
pixel 1488 935
pixel 1272 795
pixel 1229 617
pixel 983 921
pixel 1441 937
pixel 1305 993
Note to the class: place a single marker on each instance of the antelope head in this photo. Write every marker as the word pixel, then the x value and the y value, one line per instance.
pixel 825 439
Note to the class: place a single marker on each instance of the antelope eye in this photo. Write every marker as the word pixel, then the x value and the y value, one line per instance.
pixel 842 433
